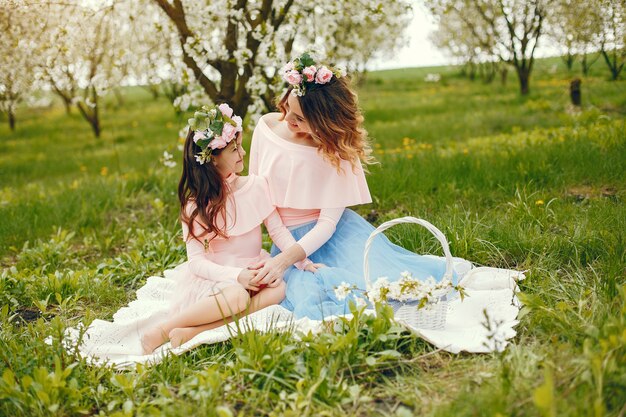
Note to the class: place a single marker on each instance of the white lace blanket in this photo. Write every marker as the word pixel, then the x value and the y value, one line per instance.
pixel 483 322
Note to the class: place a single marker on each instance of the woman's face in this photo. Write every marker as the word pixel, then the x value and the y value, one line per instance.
pixel 230 160
pixel 294 117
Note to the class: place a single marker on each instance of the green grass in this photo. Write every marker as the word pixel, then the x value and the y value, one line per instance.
pixel 526 183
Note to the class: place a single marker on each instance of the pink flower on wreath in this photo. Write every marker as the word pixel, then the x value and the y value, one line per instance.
pixel 218 143
pixel 323 75
pixel 287 67
pixel 239 123
pixel 309 73
pixel 225 109
pixel 228 132
pixel 293 77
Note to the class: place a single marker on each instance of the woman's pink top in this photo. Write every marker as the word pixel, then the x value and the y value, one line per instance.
pixel 224 258
pixel 303 185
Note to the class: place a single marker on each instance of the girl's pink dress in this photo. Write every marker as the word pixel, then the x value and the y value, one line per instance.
pixel 215 265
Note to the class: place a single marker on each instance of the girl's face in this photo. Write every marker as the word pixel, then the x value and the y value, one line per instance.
pixel 230 160
pixel 294 117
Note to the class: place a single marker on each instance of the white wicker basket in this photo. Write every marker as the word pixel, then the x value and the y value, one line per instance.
pixel 433 315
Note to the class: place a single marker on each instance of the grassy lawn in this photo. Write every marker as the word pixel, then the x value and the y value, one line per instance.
pixel 526 183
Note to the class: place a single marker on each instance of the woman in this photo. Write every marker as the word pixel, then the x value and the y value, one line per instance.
pixel 312 155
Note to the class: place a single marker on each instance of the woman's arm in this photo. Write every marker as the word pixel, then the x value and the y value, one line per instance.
pixel 322 231
pixel 284 240
pixel 275 267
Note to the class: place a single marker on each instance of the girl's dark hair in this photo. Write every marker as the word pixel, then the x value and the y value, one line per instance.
pixel 203 186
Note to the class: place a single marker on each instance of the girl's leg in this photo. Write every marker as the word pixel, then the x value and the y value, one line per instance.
pixel 265 298
pixel 229 301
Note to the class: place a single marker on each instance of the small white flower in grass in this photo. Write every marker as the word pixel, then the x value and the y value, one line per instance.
pixel 343 290
pixel 359 302
pixel 168 160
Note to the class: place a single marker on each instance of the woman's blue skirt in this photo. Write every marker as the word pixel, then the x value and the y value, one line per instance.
pixel 312 294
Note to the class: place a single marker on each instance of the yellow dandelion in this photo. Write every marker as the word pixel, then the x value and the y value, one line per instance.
pixel 409 156
pixel 104 171
pixel 539 203
pixel 168 125
pixel 465 151
pixel 74 185
pixel 83 168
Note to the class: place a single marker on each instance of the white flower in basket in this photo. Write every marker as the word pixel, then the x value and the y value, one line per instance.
pixel 419 303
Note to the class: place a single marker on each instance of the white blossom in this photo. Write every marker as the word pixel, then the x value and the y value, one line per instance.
pixel 343 290
pixel 359 302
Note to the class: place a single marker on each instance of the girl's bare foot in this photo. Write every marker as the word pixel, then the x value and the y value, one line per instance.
pixel 152 339
pixel 181 335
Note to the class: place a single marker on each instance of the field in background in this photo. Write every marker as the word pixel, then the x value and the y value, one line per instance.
pixel 528 183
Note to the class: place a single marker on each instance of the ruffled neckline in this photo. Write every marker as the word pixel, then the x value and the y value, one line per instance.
pixel 283 141
pixel 299 177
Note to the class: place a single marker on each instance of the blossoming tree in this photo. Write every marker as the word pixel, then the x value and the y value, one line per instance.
pixel 235 47
pixel 18 35
pixel 515 25
pixel 87 54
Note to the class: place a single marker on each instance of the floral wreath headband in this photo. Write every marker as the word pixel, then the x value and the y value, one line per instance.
pixel 215 127
pixel 303 74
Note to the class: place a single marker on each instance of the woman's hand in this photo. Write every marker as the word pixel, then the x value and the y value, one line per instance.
pixel 314 267
pixel 271 274
pixel 247 277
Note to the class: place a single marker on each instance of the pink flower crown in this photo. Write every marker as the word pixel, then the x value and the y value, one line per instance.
pixel 303 74
pixel 214 128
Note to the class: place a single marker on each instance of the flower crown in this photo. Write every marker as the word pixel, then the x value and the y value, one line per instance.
pixel 303 74
pixel 214 128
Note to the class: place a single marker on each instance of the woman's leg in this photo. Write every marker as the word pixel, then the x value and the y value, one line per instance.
pixel 265 298
pixel 229 301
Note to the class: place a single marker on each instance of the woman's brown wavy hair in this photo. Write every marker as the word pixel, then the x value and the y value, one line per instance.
pixel 204 186
pixel 333 113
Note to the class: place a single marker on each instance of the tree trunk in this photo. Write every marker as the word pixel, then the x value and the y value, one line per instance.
pixel 569 60
pixel 118 97
pixel 472 71
pixel 95 121
pixel 153 89
pixel 614 66
pixel 11 120
pixel 587 63
pixel 524 81
pixel 68 107
pixel 583 63
pixel 91 115
pixel 95 126
pixel 575 92
pixel 504 72
pixel 489 72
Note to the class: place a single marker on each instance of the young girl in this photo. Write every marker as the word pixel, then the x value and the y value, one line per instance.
pixel 311 154
pixel 221 213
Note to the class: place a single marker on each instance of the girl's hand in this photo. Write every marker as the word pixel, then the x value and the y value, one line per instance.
pixel 246 279
pixel 257 265
pixel 314 267
pixel 271 272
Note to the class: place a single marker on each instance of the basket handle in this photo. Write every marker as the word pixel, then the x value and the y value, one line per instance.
pixel 432 229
